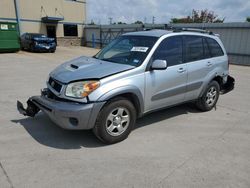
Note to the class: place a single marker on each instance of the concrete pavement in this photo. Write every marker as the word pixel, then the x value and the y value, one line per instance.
pixel 177 147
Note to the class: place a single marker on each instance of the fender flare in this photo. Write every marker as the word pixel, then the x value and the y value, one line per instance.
pixel 125 90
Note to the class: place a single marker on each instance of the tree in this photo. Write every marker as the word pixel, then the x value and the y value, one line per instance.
pixel 138 22
pixel 248 19
pixel 120 23
pixel 203 16
pixel 92 22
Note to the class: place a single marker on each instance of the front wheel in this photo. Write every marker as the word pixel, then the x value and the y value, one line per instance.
pixel 32 48
pixel 115 121
pixel 53 50
pixel 210 97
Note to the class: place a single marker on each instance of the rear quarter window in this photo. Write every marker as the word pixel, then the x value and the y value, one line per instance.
pixel 215 48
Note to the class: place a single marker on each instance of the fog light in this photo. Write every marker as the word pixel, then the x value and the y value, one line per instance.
pixel 73 121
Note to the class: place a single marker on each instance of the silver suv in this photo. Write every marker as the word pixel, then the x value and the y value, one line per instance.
pixel 135 74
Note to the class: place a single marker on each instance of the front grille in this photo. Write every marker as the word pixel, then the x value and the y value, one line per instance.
pixel 55 85
pixel 46 43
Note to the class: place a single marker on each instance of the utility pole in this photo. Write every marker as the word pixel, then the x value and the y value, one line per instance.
pixel 16 2
pixel 193 15
pixel 110 21
pixel 153 20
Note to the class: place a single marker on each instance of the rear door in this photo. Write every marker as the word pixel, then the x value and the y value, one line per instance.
pixel 199 64
pixel 167 87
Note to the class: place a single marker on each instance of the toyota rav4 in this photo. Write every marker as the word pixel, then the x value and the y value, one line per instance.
pixel 135 74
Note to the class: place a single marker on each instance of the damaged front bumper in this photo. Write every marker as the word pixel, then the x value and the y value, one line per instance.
pixel 68 115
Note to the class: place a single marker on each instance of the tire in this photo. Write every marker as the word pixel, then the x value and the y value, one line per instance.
pixel 210 97
pixel 31 48
pixel 115 121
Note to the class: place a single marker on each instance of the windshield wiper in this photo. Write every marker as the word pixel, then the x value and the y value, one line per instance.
pixel 109 60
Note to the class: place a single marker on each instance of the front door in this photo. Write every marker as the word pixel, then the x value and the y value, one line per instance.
pixel 167 87
pixel 51 31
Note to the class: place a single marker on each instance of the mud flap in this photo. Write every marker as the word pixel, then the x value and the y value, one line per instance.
pixel 229 86
pixel 31 109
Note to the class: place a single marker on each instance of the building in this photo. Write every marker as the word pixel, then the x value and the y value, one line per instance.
pixel 60 19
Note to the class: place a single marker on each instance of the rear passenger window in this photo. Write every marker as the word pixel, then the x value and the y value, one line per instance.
pixel 193 48
pixel 170 50
pixel 215 48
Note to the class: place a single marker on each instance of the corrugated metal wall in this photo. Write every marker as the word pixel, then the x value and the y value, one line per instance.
pixel 235 36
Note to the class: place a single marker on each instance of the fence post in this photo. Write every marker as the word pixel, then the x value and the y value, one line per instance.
pixel 93 40
pixel 100 30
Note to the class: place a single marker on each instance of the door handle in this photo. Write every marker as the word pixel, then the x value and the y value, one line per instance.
pixel 181 70
pixel 209 64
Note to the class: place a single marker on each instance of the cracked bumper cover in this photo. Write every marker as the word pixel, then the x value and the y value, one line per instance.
pixel 72 116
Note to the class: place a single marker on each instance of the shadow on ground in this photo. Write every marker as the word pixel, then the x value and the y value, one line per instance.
pixel 47 133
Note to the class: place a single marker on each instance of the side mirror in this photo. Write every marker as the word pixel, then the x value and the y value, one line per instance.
pixel 159 65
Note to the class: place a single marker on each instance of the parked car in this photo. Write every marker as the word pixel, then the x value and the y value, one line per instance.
pixel 36 42
pixel 134 75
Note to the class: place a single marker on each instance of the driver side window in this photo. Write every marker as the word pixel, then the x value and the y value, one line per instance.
pixel 170 50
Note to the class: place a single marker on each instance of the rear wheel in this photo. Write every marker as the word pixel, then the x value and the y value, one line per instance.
pixel 210 97
pixel 115 121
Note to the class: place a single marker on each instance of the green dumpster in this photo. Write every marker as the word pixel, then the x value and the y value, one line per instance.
pixel 9 37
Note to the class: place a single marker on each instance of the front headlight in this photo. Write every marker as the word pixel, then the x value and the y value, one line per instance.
pixel 81 89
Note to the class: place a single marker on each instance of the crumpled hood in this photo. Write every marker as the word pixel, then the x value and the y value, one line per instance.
pixel 84 68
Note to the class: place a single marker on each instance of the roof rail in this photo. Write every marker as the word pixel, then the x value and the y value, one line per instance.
pixel 193 30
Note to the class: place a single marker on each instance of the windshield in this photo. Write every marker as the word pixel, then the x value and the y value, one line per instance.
pixel 130 50
pixel 38 36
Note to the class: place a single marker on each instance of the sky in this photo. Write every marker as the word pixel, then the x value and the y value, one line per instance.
pixel 129 11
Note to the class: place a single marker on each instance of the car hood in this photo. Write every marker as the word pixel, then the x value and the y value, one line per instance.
pixel 84 68
pixel 43 39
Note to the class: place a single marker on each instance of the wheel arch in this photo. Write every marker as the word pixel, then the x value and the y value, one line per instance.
pixel 133 94
pixel 216 78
